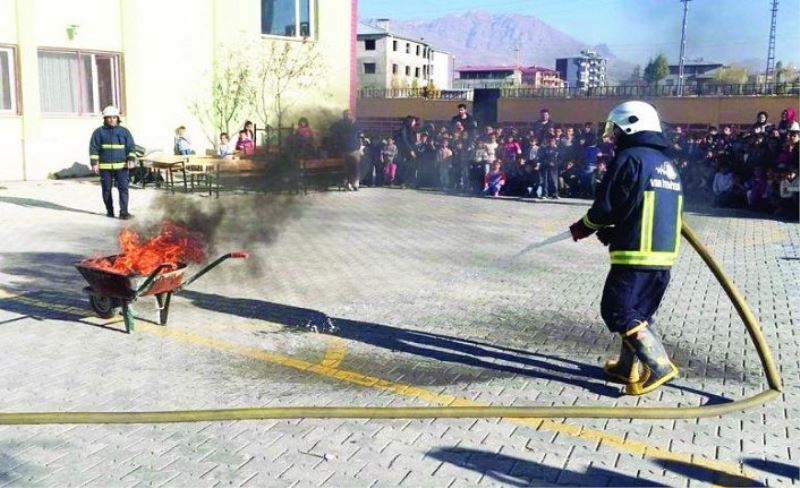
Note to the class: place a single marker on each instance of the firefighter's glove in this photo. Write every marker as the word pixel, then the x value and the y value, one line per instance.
pixel 580 231
pixel 605 235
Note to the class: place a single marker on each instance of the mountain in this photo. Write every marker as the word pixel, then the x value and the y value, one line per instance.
pixel 479 37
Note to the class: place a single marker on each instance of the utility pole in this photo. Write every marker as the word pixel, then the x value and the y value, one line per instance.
pixel 683 46
pixel 768 74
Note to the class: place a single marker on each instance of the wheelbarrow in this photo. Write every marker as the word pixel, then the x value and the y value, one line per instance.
pixel 110 291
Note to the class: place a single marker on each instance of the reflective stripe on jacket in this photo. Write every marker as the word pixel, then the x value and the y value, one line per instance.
pixel 640 202
pixel 111 147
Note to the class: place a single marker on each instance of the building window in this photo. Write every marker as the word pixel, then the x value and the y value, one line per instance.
pixel 408 48
pixel 408 70
pixel 78 82
pixel 418 50
pixel 369 44
pixel 8 81
pixel 395 69
pixel 416 72
pixel 288 18
pixel 394 45
pixel 369 68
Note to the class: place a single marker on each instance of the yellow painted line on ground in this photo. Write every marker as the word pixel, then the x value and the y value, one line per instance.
pixel 329 368
pixel 322 369
pixel 334 354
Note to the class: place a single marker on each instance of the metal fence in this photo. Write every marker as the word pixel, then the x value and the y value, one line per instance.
pixel 705 90
pixel 423 93
pixel 630 91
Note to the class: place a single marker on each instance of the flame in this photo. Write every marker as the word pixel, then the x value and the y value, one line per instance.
pixel 171 246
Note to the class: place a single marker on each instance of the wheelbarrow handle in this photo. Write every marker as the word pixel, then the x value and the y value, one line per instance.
pixel 149 281
pixel 214 264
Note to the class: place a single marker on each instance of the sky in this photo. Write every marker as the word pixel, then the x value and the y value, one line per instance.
pixel 635 30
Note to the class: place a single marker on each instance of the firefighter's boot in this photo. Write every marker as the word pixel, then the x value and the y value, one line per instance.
pixel 625 369
pixel 651 353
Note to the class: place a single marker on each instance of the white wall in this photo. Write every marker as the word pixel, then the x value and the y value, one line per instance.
pixel 383 71
pixel 402 59
pixel 167 50
pixel 8 24
pixel 443 70
pixel 11 142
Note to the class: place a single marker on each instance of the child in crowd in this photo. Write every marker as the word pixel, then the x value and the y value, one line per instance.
pixel 511 149
pixel 245 144
pixel 723 186
pixel 183 146
pixel 444 160
pixel 494 180
pixel 389 154
pixel 225 148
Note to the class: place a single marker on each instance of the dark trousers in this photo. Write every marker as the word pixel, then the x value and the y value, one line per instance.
pixel 549 178
pixel 411 172
pixel 631 296
pixel 107 177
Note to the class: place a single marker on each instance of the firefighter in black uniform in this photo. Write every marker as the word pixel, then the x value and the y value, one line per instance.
pixel 637 213
pixel 111 151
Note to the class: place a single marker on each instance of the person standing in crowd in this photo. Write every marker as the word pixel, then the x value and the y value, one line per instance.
pixel 406 140
pixel 346 134
pixel 548 168
pixel 787 119
pixel 637 212
pixel 467 121
pixel 588 133
pixel 760 126
pixel 111 153
pixel 426 150
pixel 389 156
pixel 588 166
pixel 444 163
pixel 543 126
pixel 303 139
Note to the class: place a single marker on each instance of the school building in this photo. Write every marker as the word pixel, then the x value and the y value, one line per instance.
pixel 62 62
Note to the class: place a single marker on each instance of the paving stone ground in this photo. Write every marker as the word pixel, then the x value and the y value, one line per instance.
pixel 420 296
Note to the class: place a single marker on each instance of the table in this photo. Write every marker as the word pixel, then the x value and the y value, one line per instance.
pixel 169 164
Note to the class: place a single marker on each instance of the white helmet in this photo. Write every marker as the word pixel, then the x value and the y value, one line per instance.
pixel 110 111
pixel 632 117
pixel 795 127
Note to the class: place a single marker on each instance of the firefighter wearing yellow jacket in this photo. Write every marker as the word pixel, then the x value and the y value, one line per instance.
pixel 637 213
pixel 111 152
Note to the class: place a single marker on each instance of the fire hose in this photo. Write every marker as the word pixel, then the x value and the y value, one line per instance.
pixel 750 322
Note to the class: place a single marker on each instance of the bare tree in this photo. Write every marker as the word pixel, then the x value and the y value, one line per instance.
pixel 284 69
pixel 231 93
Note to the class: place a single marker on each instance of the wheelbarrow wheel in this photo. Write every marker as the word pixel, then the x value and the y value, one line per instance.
pixel 105 307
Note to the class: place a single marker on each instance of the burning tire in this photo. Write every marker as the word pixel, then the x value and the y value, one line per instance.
pixel 105 307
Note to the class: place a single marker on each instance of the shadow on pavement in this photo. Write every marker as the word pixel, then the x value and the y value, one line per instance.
pixel 32 202
pixel 516 471
pixel 774 467
pixel 424 344
pixel 52 290
pixel 705 474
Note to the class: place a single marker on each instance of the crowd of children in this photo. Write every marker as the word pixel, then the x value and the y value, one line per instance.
pixel 755 167
pixel 543 162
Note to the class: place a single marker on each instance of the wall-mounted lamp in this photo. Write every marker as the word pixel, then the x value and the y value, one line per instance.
pixel 72 31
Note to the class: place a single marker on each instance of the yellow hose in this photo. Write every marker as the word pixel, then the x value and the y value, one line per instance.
pixel 750 322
